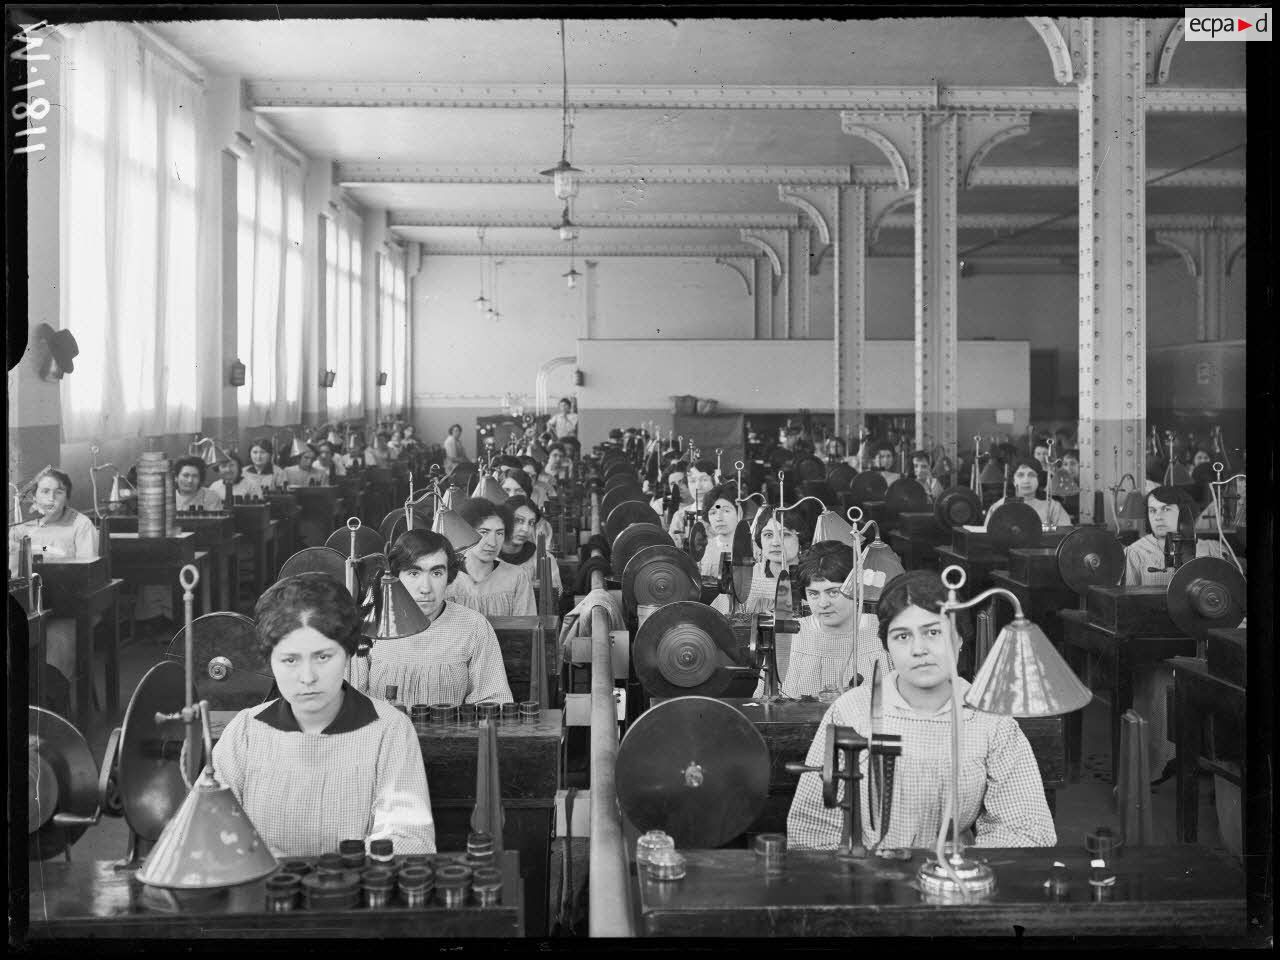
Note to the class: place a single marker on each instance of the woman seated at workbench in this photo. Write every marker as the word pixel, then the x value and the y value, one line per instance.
pixel 527 523
pixel 58 533
pixel 322 763
pixel 699 479
pixel 261 466
pixel 233 482
pixel 457 658
pixel 302 473
pixel 188 475
pixel 485 583
pixel 673 479
pixel 922 470
pixel 825 657
pixel 1026 489
pixel 1170 510
pixel 779 539
pixel 1001 792
pixel 721 513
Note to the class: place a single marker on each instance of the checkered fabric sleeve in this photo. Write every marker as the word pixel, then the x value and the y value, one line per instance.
pixel 506 592
pixel 455 660
pixel 306 792
pixel 761 597
pixel 1001 793
pixel 815 658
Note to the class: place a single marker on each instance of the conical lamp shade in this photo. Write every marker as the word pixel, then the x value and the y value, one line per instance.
pixel 395 615
pixel 832 526
pixel 879 565
pixel 297 448
pixel 457 531
pixel 489 489
pixel 487 816
pixel 209 843
pixel 1134 508
pixel 213 456
pixel 991 474
pixel 1024 676
pixel 452 498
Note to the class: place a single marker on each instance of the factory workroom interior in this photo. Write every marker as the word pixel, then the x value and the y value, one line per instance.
pixel 487 477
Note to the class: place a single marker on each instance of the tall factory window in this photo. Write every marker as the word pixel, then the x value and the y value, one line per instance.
pixel 269 286
pixel 393 333
pixel 344 317
pixel 130 236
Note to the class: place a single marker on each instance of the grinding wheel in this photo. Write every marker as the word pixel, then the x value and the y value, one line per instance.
pixel 621 478
pixel 627 513
pixel 1090 557
pixel 905 495
pixel 393 524
pixel 658 575
pixel 694 767
pixel 682 648
pixel 868 485
pixel 368 540
pixel 1014 524
pixel 63 779
pixel 230 669
pixel 315 560
pixel 634 538
pixel 612 499
pixel 810 468
pixel 1205 594
pixel 619 468
pixel 698 540
pixel 151 786
pixel 957 507
pixel 840 476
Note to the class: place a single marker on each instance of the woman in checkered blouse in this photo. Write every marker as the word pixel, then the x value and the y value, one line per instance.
pixel 323 763
pixel 779 539
pixel 457 658
pixel 1001 793
pixel 487 584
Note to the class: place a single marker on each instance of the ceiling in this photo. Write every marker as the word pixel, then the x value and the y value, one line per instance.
pixel 446 123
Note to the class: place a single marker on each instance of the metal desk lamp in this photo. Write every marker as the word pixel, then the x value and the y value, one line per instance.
pixel 1022 676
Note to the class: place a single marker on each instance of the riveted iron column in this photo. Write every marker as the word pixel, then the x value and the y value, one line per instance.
pixel 849 232
pixel 763 291
pixel 798 281
pixel 936 161
pixel 775 244
pixel 1113 321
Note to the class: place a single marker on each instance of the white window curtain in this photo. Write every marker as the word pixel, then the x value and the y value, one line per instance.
pixel 269 287
pixel 130 237
pixel 393 330
pixel 344 315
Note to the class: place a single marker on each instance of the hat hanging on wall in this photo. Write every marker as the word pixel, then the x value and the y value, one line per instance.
pixel 55 352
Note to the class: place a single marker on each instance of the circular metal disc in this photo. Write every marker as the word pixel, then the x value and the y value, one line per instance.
pixel 315 560
pixel 614 498
pixel 1014 525
pixel 151 787
pixel 230 669
pixel 840 476
pixel 368 540
pixel 627 513
pixel 659 575
pixel 619 468
pixel 633 539
pixel 64 749
pixel 957 507
pixel 810 468
pixel 1205 594
pixel 1090 557
pixel 685 649
pixel 621 478
pixel 868 485
pixel 905 494
pixel 698 540
pixel 694 767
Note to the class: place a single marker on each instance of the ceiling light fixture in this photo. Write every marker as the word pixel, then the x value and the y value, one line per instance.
pixel 481 302
pixel 571 276
pixel 566 177
pixel 568 229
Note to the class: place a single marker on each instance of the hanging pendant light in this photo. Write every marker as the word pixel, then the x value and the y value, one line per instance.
pixel 568 229
pixel 571 275
pixel 565 176
pixel 481 302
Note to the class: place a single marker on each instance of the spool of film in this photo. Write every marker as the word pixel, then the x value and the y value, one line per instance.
pixel 153 480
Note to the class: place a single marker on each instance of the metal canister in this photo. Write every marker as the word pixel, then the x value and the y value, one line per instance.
pixel 153 483
pixel 420 714
pixel 480 849
pixel 377 883
pixel 467 715
pixel 352 853
pixel 510 713
pixel 488 710
pixel 296 865
pixel 282 892
pixel 329 863
pixel 486 886
pixel 326 890
pixel 771 851
pixel 452 882
pixel 416 883
pixel 649 843
pixel 444 714
pixel 529 711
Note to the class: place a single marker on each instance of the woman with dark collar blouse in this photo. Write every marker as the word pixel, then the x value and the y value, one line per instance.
pixel 322 763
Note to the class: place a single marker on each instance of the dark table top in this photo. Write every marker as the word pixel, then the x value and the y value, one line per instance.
pixel 93 899
pixel 1175 891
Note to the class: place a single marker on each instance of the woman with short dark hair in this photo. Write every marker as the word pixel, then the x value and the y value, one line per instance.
pixel 457 658
pixel 233 482
pixel 779 537
pixel 323 762
pixel 262 466
pixel 521 547
pixel 302 473
pixel 486 583
pixel 1002 801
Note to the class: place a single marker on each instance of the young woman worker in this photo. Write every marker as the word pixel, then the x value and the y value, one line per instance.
pixel 778 539
pixel 322 763
pixel 1001 793
pixel 1026 489
pixel 457 658
pixel 485 583
pixel 720 511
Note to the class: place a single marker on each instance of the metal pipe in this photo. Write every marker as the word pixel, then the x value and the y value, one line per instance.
pixel 609 883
